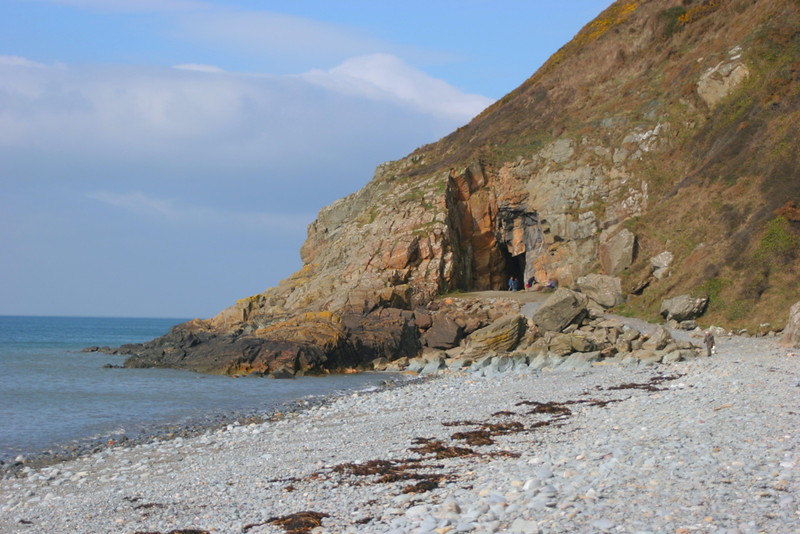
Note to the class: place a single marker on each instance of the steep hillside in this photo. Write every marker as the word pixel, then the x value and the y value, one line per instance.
pixel 660 145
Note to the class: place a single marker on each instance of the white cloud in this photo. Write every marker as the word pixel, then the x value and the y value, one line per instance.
pixel 386 77
pixel 183 116
pixel 205 217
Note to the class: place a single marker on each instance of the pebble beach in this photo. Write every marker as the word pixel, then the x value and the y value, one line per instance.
pixel 707 445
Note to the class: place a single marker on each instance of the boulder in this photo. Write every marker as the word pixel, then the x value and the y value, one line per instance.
pixel 472 313
pixel 661 263
pixel 444 333
pixel 791 334
pixel 683 307
pixel 560 309
pixel 502 335
pixel 617 251
pixel 658 340
pixel 603 289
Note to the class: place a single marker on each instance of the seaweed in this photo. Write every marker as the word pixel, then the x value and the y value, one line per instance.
pixel 439 449
pixel 298 523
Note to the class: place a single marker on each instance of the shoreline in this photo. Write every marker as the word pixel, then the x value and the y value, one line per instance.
pixel 186 428
pixel 704 445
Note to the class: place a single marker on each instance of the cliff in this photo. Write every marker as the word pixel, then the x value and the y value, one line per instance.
pixel 659 146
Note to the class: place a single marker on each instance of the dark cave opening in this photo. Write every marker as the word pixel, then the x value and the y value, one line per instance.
pixel 514 266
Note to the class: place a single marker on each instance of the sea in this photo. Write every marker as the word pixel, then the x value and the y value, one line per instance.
pixel 53 395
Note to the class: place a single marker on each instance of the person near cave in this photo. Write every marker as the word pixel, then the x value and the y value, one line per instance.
pixel 530 283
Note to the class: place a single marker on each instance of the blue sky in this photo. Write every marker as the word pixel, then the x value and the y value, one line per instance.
pixel 162 158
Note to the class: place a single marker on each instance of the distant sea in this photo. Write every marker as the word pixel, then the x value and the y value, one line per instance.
pixel 52 394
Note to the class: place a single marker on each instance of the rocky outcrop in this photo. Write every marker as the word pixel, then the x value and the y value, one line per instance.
pixel 719 81
pixel 555 181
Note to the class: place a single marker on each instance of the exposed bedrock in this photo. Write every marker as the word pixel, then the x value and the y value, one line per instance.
pixel 653 153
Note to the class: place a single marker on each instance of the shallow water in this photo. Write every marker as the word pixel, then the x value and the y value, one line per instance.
pixel 51 393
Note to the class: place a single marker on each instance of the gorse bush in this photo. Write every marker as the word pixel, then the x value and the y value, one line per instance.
pixel 780 242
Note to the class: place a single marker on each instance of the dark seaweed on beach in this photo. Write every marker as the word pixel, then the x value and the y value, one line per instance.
pixel 439 449
pixel 476 438
pixel 298 523
pixel 503 413
pixel 647 386
pixel 460 423
pixel 422 487
pixel 550 408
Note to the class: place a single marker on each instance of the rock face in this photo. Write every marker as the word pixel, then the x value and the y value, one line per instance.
pixel 555 181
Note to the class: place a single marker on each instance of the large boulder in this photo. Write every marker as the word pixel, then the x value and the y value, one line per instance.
pixel 444 333
pixel 791 334
pixel 683 307
pixel 560 309
pixel 659 339
pixel 472 313
pixel 617 251
pixel 500 336
pixel 603 289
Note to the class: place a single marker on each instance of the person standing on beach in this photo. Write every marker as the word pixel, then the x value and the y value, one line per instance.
pixel 709 342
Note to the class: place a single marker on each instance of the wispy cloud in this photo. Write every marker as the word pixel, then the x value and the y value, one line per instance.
pixel 200 117
pixel 386 77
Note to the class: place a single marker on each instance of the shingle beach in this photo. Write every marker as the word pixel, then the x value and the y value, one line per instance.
pixel 709 445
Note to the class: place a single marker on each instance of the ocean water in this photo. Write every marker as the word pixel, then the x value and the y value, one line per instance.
pixel 52 394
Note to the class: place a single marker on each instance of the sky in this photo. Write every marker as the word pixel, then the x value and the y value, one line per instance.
pixel 163 158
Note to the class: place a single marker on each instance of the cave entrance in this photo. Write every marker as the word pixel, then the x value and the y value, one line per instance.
pixel 514 266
